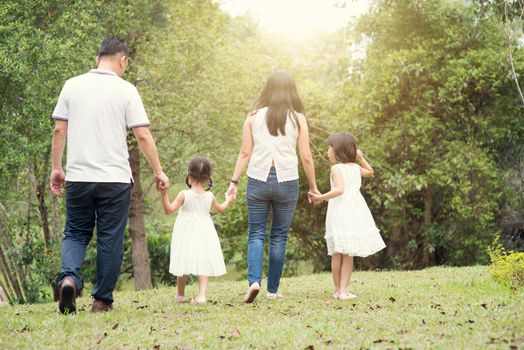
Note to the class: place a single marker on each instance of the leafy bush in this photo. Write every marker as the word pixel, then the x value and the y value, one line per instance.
pixel 506 267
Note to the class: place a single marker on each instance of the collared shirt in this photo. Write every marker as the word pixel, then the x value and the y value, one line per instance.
pixel 278 150
pixel 99 106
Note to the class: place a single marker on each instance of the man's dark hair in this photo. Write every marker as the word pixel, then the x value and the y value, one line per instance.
pixel 112 45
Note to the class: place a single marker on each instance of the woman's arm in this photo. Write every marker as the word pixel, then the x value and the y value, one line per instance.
pixel 244 155
pixel 220 208
pixel 305 153
pixel 336 190
pixel 171 207
pixel 365 169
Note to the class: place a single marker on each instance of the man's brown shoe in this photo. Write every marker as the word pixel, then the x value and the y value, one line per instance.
pixel 67 297
pixel 101 306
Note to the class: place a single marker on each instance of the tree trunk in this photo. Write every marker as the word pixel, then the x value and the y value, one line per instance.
pixel 10 276
pixel 5 283
pixel 42 208
pixel 137 229
pixel 4 296
pixel 55 228
pixel 428 213
pixel 40 191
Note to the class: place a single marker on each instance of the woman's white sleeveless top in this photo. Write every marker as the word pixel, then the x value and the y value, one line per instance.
pixel 279 149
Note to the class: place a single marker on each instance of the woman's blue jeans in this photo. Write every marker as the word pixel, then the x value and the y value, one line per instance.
pixel 282 198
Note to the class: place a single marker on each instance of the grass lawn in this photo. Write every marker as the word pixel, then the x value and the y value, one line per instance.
pixel 437 308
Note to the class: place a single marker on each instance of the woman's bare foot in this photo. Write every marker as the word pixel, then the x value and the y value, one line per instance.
pixel 180 299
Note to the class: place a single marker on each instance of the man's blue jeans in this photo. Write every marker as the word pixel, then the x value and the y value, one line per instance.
pixel 107 206
pixel 282 198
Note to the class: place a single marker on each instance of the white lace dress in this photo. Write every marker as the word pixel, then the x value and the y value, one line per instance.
pixel 350 228
pixel 195 247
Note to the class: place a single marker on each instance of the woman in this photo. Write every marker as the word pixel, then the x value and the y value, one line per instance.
pixel 269 140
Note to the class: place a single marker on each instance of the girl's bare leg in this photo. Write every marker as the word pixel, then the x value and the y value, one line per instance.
pixel 336 264
pixel 202 287
pixel 345 272
pixel 181 284
pixel 181 287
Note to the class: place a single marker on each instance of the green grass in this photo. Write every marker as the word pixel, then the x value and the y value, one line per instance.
pixel 437 308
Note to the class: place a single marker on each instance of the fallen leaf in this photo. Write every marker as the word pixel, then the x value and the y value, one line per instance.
pixel 235 333
pixel 25 329
pixel 100 337
pixel 471 321
pixel 309 347
pixel 392 299
pixel 115 326
pixel 156 347
pixel 230 305
pixel 484 305
pixel 423 322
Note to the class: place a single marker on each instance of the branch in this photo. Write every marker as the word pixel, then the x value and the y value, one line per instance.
pixel 509 38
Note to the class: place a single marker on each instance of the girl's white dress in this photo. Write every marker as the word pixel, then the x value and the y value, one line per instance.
pixel 350 228
pixel 195 247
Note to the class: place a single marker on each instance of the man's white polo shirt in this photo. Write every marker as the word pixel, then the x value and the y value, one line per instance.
pixel 98 106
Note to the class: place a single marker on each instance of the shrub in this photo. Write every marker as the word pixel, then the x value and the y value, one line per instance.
pixel 506 267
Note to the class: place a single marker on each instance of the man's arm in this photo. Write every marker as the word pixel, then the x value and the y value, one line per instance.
pixel 147 145
pixel 57 181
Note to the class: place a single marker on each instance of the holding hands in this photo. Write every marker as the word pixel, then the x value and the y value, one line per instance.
pixel 314 197
pixel 161 181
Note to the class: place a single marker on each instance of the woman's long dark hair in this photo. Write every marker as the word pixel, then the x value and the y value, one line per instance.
pixel 280 96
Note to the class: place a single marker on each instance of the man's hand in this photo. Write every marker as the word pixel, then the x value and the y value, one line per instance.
pixel 161 181
pixel 57 181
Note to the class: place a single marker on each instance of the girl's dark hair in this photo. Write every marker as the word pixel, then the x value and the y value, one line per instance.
pixel 280 96
pixel 200 169
pixel 344 146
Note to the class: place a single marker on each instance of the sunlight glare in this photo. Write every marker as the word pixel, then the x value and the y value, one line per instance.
pixel 297 17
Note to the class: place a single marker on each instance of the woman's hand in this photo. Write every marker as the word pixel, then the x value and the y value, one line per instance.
pixel 315 197
pixel 232 191
pixel 310 193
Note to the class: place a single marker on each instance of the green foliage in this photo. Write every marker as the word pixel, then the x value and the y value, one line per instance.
pixel 506 267
pixel 440 113
pixel 159 246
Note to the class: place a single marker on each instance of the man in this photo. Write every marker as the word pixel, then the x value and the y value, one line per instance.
pixel 93 111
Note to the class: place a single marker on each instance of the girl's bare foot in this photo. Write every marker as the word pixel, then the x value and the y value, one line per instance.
pixel 335 294
pixel 180 299
pixel 346 296
pixel 198 300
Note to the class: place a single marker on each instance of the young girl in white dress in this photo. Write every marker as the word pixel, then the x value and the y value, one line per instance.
pixel 350 228
pixel 195 247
